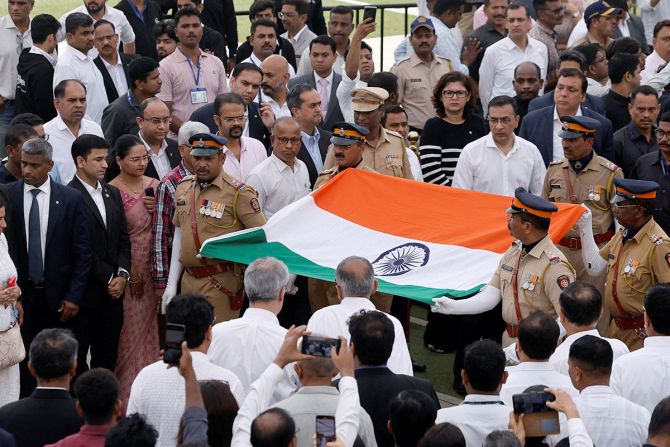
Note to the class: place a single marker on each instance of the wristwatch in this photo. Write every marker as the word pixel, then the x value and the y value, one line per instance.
pixel 123 274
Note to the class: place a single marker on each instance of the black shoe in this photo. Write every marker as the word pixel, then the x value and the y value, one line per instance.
pixel 459 388
pixel 418 367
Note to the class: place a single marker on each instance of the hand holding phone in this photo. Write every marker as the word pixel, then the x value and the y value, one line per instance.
pixel 538 420
pixel 325 430
pixel 174 335
pixel 319 346
pixel 370 12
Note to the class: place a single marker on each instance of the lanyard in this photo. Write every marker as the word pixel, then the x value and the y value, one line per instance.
pixel 196 78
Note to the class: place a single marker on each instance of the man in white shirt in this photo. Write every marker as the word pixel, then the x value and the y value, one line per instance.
pixel 500 59
pixel 275 84
pixel 482 411
pixel 98 10
pixel 70 102
pixel 340 25
pixel 358 67
pixel 158 391
pixel 355 283
pixel 500 162
pixel 281 179
pixel 580 308
pixel 293 16
pixel 75 64
pixel 112 65
pixel 659 426
pixel 609 419
pixel 652 12
pixel 154 121
pixel 643 376
pixel 538 335
pixel 242 153
pixel 661 54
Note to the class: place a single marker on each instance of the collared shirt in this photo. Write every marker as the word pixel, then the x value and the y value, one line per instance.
pixel 500 60
pixel 616 109
pixel 88 436
pixel 643 376
pixel 651 64
pixel 528 374
pixel 179 77
pixel 651 15
pixel 311 142
pixel 117 74
pixel 611 419
pixel 300 41
pixel 477 416
pixel 548 37
pixel 329 83
pixel 559 359
pixel 277 184
pixel 595 88
pixel 588 38
pixel 253 59
pixel 73 64
pixel 52 58
pixel 13 43
pixel 487 35
pixel 623 25
pixel 43 203
pixel 61 139
pixel 96 195
pixel 162 228
pixel 252 153
pixel 158 394
pixel 278 110
pixel 557 144
pixel 247 345
pixel 331 321
pixel 629 145
pixel 117 18
pixel 305 66
pixel 483 167
pixel 160 160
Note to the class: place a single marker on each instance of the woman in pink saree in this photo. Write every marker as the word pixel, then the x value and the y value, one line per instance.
pixel 138 344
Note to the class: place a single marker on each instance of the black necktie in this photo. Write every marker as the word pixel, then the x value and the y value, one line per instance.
pixel 35 266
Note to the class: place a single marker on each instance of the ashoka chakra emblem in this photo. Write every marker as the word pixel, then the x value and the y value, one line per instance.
pixel 401 259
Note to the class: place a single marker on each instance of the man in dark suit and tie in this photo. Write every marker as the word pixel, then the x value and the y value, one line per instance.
pixel 112 65
pixel 154 122
pixel 305 105
pixel 49 414
pixel 245 81
pixel 541 127
pixel 98 325
pixel 322 56
pixel 49 245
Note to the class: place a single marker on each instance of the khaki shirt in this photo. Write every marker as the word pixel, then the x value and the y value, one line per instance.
pixel 388 157
pixel 593 186
pixel 648 251
pixel 543 273
pixel 416 80
pixel 235 198
pixel 326 175
pixel 589 39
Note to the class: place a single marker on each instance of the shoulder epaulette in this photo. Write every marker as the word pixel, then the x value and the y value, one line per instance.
pixel 188 178
pixel 394 133
pixel 328 171
pixel 607 164
pixel 555 162
pixel 403 59
pixel 232 181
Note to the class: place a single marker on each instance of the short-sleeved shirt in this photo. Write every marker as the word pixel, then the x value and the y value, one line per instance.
pixel 542 275
pixel 326 175
pixel 13 43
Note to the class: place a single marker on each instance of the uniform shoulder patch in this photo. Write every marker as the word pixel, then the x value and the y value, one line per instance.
pixel 188 178
pixel 393 133
pixel 232 181
pixel 255 205
pixel 555 162
pixel 607 164
pixel 563 281
pixel 330 171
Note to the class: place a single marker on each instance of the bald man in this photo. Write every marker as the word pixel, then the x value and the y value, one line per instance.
pixel 274 90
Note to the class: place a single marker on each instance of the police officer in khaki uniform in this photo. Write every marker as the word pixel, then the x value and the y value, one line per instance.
pixel 637 257
pixel 419 72
pixel 531 274
pixel 384 149
pixel 582 177
pixel 207 204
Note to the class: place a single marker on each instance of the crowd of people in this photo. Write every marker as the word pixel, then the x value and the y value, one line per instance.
pixel 131 134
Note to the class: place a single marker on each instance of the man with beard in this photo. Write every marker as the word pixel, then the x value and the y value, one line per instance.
pixel 276 74
pixel 242 153
pixel 208 204
pixel 527 83
pixel 340 26
pixel 165 38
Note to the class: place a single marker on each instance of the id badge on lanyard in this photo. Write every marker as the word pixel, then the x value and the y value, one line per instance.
pixel 198 94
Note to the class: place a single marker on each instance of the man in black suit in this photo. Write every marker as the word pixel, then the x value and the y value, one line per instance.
pixel 49 245
pixel 142 23
pixel 49 414
pixel 245 81
pixel 112 65
pixel 322 56
pixel 305 105
pixel 154 122
pixel 98 325
pixel 372 336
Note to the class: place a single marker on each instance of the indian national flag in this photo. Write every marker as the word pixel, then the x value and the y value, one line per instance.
pixel 424 241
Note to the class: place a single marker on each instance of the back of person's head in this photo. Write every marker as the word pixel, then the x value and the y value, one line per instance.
pixel 593 355
pixel 589 51
pixel 581 303
pixel 657 307
pixel 97 393
pixel 501 438
pixel 411 414
pixel 538 335
pixel 620 64
pixel 140 68
pixel 43 26
pixel 165 27
pixel 484 364
pixel 317 368
pixel 384 79
pixel 574 56
pixel 195 312
pixel 272 428
pixel 264 279
pixel 19 133
pixel 27 118
pixel 84 144
pixel 659 426
pixel 443 435
pixel 53 353
pixel 132 431
pixel 221 409
pixel 623 45
pixel 372 334
pixel 356 277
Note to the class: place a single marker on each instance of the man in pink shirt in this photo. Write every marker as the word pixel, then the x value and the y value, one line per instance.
pixel 242 153
pixel 191 78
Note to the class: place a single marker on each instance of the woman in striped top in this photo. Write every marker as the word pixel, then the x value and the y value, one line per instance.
pixel 444 136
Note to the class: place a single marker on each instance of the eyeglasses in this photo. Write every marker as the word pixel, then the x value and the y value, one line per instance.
pixel 286 140
pixel 505 121
pixel 286 15
pixel 144 158
pixel 233 119
pixel 457 93
pixel 158 121
pixel 661 134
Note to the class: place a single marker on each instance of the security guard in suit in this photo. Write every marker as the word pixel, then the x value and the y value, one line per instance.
pixel 636 258
pixel 531 274
pixel 207 204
